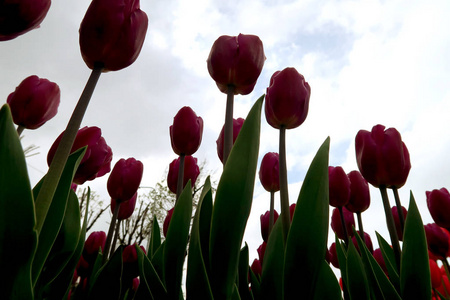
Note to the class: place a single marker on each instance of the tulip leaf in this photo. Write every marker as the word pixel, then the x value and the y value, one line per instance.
pixel 155 239
pixel 197 282
pixel 358 286
pixel 18 238
pixel 244 292
pixel 158 261
pixel 205 221
pixel 328 287
pixel 150 285
pixel 56 212
pixel 342 259
pixel 389 260
pixel 271 281
pixel 415 282
pixel 176 242
pixel 255 285
pixel 232 205
pixel 307 237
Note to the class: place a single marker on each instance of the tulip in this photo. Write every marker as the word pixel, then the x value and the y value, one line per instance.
pixel 93 244
pixel 112 34
pixel 398 227
pixel 96 161
pixel 124 179
pixel 186 132
pixel 382 157
pixel 34 102
pixel 287 99
pixel 167 221
pixel 437 240
pixel 333 256
pixel 339 186
pixel 261 251
pixel 237 125
pixel 19 17
pixel 378 255
pixel 336 223
pixel 269 172
pixel 359 193
pixel 265 224
pixel 126 208
pixel 367 241
pixel 236 61
pixel 438 202
pixel 444 288
pixel 191 171
pixel 130 259
pixel 436 274
pixel 256 267
pixel 291 211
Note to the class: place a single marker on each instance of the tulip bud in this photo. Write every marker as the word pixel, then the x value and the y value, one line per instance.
pixel 112 33
pixel 398 227
pixel 265 224
pixel 367 240
pixel 438 202
pixel 19 17
pixel 191 171
pixel 34 102
pixel 186 132
pixel 256 267
pixel 236 61
pixel 332 254
pixel 96 161
pixel 124 179
pixel 382 157
pixel 261 251
pixel 287 99
pixel 339 186
pixel 93 244
pixel 135 284
pixel 437 240
pixel 292 210
pixel 237 125
pixel 378 255
pixel 126 208
pixel 269 172
pixel 167 221
pixel 359 193
pixel 130 261
pixel 336 223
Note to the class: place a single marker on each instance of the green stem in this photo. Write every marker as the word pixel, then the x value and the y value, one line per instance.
pixel 401 217
pixel 20 129
pixel 116 235
pixel 271 216
pixel 391 226
pixel 284 195
pixel 344 225
pixel 360 226
pixel 112 225
pixel 180 176
pixel 228 128
pixel 51 180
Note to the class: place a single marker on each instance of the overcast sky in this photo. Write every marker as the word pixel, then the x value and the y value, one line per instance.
pixel 367 62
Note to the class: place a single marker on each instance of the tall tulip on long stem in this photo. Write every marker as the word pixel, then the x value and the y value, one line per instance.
pixel 269 175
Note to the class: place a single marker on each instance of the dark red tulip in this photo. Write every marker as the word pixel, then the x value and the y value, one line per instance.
pixel 336 223
pixel 186 132
pixel 382 157
pixel 34 102
pixel 96 161
pixel 359 193
pixel 19 17
pixel 435 273
pixel 333 256
pixel 93 244
pixel 367 240
pixel 261 251
pixel 269 173
pixel 124 180
pixel 130 259
pixel 265 224
pixel 167 221
pixel 236 61
pixel 287 99
pixel 438 202
pixel 191 171
pixel 292 210
pixel 378 255
pixel 112 33
pixel 126 208
pixel 398 227
pixel 437 240
pixel 256 267
pixel 237 125
pixel 339 186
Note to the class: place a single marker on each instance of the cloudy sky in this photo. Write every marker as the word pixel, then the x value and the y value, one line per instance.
pixel 367 62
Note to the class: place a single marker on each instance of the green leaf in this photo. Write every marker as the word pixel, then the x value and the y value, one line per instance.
pixel 232 205
pixel 244 292
pixel 197 282
pixel 155 239
pixel 307 238
pixel 389 260
pixel 342 259
pixel 150 285
pixel 56 212
pixel 358 286
pixel 415 280
pixel 255 286
pixel 328 287
pixel 18 238
pixel 176 242
pixel 158 261
pixel 271 281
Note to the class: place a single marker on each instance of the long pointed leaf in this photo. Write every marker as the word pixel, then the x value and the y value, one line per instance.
pixel 155 238
pixel 328 287
pixel 389 261
pixel 150 285
pixel 358 286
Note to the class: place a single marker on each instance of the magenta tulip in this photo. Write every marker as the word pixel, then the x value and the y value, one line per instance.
pixel 167 221
pixel 287 99
pixel 186 132
pixel 126 208
pixel 34 102
pixel 332 254
pixel 336 223
pixel 112 33
pixel 191 171
pixel 237 125
pixel 261 251
pixel 130 261
pixel 438 202
pixel 93 244
pixel 236 61
pixel 437 240
pixel 269 173
pixel 124 180
pixel 382 157
pixel 339 186
pixel 359 193
pixel 378 255
pixel 265 224
pixel 256 267
pixel 19 17
pixel 367 240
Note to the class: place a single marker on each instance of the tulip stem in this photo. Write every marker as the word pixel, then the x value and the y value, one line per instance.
pixel 271 217
pixel 401 217
pixel 180 176
pixel 112 225
pixel 360 226
pixel 344 225
pixel 228 128
pixel 116 235
pixel 284 196
pixel 20 129
pixel 391 225
pixel 51 180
